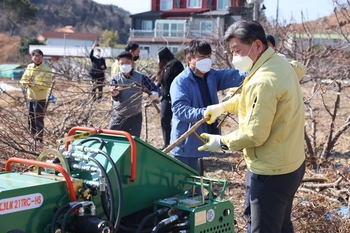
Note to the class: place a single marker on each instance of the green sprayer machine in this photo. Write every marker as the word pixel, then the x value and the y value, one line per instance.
pixel 107 181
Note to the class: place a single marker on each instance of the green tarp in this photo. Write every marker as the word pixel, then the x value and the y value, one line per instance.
pixel 11 71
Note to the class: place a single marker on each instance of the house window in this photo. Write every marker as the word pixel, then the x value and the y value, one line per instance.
pixel 194 3
pixel 170 28
pixel 166 5
pixel 174 49
pixel 222 4
pixel 165 30
pixel 145 47
pixel 206 26
pixel 147 25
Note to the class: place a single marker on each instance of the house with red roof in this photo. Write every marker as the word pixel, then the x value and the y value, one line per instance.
pixel 173 23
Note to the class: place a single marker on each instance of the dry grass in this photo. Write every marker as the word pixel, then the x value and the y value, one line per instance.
pixel 8 46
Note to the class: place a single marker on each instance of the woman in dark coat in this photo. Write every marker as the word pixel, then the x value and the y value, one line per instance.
pixel 168 68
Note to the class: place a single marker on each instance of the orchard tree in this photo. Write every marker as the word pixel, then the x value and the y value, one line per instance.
pixel 23 48
pixel 109 38
pixel 17 12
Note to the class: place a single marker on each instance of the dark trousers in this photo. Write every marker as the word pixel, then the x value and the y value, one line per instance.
pixel 98 84
pixel 165 119
pixel 193 163
pixel 271 200
pixel 36 118
pixel 247 211
pixel 132 124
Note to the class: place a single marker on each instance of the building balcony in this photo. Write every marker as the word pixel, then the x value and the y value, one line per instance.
pixel 171 35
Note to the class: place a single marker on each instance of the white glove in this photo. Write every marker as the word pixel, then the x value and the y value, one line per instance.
pixel 154 95
pixel 213 143
pixel 214 111
pixel 114 92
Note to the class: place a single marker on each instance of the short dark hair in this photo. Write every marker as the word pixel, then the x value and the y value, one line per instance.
pixel 124 54
pixel 246 32
pixel 131 46
pixel 271 39
pixel 197 45
pixel 37 51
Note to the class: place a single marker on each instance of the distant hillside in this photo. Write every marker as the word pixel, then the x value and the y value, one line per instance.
pixel 83 15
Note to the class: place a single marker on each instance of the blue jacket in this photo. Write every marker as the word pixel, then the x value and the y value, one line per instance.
pixel 188 107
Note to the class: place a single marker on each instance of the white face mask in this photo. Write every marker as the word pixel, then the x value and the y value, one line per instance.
pixel 97 54
pixel 125 68
pixel 204 65
pixel 243 63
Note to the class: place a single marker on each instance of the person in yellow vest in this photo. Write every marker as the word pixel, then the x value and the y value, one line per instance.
pixel 37 80
pixel 299 68
pixel 132 48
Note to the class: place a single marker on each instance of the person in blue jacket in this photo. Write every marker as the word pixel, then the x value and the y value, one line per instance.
pixel 191 92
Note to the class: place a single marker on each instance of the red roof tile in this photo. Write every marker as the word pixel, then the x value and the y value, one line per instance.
pixel 183 11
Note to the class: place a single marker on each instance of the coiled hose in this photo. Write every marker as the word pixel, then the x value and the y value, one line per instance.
pixel 118 180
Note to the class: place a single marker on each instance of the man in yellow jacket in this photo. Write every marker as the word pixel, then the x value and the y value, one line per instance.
pixel 37 80
pixel 271 127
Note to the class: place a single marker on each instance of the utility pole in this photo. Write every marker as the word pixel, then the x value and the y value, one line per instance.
pixel 64 52
pixel 277 13
pixel 256 11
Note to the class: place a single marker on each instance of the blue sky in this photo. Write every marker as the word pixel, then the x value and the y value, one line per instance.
pixel 312 9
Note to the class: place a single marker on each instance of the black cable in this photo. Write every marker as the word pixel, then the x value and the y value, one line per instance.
pixel 104 204
pixel 174 229
pixel 109 215
pixel 57 214
pixel 145 219
pixel 132 230
pixel 149 216
pixel 171 220
pixel 109 187
pixel 119 187
pixel 67 215
pixel 102 143
pixel 117 176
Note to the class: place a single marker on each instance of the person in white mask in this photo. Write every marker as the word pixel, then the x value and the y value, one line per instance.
pixel 97 71
pixel 271 116
pixel 127 97
pixel 191 92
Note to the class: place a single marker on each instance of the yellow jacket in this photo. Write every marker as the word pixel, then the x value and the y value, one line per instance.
pixel 37 80
pixel 271 117
pixel 115 68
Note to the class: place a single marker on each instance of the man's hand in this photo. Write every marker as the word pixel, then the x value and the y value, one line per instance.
pixel 32 84
pixel 154 95
pixel 213 143
pixel 214 111
pixel 114 92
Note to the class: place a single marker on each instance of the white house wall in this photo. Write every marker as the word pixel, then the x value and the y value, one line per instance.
pixel 69 42
pixel 74 51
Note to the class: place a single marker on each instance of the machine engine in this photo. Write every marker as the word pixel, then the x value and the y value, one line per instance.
pixel 106 181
